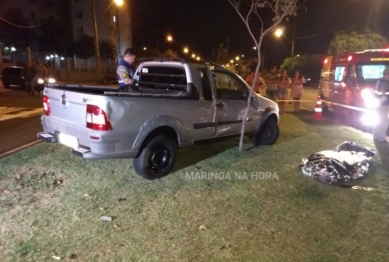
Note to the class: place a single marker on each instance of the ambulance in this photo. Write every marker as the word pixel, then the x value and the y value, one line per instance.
pixel 347 83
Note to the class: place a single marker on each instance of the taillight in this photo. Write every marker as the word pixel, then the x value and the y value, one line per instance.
pixel 97 119
pixel 46 105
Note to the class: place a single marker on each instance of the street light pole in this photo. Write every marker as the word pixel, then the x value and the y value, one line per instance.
pixel 97 50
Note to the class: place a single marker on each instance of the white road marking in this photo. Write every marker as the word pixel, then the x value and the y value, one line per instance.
pixel 7 113
pixel 9 152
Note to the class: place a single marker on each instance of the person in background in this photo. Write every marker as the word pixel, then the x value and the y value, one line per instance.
pixel 29 73
pixel 382 94
pixel 283 84
pixel 250 79
pixel 297 90
pixel 271 81
pixel 126 70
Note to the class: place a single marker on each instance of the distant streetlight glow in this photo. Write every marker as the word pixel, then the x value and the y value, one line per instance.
pixel 144 48
pixel 255 48
pixel 193 55
pixel 169 38
pixel 118 2
pixel 198 58
pixel 237 58
pixel 231 61
pixel 279 32
pixel 186 50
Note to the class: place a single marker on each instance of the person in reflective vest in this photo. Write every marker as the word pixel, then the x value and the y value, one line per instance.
pixel 126 70
pixel 382 94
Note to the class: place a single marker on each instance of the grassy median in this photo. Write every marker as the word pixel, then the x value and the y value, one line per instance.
pixel 260 208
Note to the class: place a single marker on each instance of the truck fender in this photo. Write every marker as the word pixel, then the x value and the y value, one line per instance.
pixel 266 114
pixel 161 121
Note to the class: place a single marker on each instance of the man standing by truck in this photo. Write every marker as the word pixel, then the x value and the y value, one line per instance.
pixel 29 73
pixel 126 70
pixel 271 81
pixel 382 93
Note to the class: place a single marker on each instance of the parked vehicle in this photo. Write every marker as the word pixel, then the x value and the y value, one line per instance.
pixel 307 79
pixel 110 79
pixel 12 76
pixel 173 102
pixel 347 82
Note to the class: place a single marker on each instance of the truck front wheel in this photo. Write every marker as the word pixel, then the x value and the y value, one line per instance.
pixel 156 158
pixel 268 134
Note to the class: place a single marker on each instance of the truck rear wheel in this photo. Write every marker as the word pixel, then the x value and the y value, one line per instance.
pixel 156 158
pixel 268 134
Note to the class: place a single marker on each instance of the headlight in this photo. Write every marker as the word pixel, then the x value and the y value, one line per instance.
pixel 40 81
pixel 51 80
pixel 366 93
pixel 368 97
pixel 370 118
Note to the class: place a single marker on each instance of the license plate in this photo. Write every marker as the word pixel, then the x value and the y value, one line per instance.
pixel 68 140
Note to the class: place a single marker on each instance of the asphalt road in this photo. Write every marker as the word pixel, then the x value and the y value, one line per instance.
pixel 20 116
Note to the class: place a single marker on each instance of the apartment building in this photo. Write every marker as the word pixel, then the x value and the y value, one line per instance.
pixel 113 21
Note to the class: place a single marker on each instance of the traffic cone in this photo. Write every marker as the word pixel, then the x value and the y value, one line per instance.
pixel 317 115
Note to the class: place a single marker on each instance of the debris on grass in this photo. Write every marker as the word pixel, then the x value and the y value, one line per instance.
pixel 86 195
pixel 106 218
pixel 18 177
pixel 363 188
pixel 201 227
pixel 116 226
pixel 56 257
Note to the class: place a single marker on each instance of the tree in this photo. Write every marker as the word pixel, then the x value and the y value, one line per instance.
pixel 84 46
pixel 221 54
pixel 345 42
pixel 308 64
pixel 253 15
pixel 107 49
pixel 170 53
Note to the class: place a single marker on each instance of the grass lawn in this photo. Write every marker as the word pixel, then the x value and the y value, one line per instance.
pixel 51 202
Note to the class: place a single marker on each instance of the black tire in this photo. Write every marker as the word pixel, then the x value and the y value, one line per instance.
pixel 156 159
pixel 104 81
pixel 5 84
pixel 268 134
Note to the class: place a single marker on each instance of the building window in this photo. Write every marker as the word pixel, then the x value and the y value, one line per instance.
pixel 33 16
pixel 50 4
pixel 79 14
pixel 114 19
pixel 80 30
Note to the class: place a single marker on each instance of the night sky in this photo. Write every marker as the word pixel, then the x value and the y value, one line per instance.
pixel 203 24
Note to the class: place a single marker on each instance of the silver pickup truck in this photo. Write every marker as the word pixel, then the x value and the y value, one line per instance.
pixel 172 103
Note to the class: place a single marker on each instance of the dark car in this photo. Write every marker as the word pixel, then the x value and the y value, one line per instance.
pixel 12 75
pixel 307 80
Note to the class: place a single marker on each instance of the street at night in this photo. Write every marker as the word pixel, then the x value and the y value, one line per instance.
pixel 198 130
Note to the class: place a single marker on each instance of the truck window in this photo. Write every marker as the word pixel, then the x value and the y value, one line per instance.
pixel 207 93
pixel 163 77
pixel 339 71
pixel 227 82
pixel 371 71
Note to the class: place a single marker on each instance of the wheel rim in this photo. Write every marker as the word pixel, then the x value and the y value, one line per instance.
pixel 267 133
pixel 159 158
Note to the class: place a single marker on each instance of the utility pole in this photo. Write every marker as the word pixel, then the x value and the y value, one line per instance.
pixel 118 32
pixel 294 37
pixel 97 51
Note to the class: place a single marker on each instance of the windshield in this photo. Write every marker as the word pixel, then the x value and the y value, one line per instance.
pixel 371 71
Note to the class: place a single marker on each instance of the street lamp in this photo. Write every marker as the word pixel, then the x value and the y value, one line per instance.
pixel 169 38
pixel 280 32
pixel 237 58
pixel 193 56
pixel 186 50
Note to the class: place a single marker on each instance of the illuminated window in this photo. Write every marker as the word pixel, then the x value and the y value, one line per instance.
pixel 114 19
pixel 339 71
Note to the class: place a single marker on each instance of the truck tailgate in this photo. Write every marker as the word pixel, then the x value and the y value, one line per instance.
pixel 67 106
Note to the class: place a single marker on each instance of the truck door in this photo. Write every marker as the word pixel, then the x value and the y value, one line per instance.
pixel 230 102
pixel 339 71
